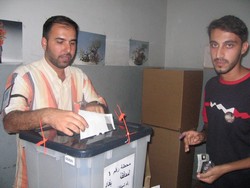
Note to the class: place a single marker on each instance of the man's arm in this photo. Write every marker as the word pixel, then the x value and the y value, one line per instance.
pixel 96 106
pixel 62 120
pixel 216 172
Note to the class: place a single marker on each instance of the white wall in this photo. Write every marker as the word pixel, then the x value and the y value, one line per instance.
pixel 187 20
pixel 175 29
pixel 119 20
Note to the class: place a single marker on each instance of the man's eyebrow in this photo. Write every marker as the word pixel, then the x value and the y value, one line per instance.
pixel 59 38
pixel 212 41
pixel 231 41
pixel 227 41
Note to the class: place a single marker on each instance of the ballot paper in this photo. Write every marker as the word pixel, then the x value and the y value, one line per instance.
pixel 98 123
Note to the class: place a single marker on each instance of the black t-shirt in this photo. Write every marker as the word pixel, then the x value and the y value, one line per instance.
pixel 227 112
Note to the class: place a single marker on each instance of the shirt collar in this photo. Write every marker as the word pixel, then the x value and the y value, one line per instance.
pixel 52 73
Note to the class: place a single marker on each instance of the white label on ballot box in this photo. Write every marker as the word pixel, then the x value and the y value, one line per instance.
pixel 70 160
pixel 120 174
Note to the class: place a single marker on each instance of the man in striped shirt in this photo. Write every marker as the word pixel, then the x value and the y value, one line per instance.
pixel 44 92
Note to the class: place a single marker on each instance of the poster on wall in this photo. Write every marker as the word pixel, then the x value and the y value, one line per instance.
pixel 138 52
pixel 90 49
pixel 10 42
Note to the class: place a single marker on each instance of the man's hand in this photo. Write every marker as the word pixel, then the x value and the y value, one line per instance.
pixel 217 171
pixel 67 122
pixel 211 175
pixel 191 138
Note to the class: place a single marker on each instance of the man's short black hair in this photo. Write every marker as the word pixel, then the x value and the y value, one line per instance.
pixel 60 20
pixel 230 23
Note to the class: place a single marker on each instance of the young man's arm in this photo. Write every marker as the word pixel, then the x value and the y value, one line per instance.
pixel 216 172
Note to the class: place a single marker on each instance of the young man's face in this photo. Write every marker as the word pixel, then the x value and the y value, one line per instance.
pixel 226 50
pixel 60 48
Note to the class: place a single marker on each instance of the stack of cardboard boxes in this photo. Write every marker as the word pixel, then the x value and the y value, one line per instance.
pixel 171 104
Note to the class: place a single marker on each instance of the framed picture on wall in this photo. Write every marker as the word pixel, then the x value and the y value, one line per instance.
pixel 138 52
pixel 90 49
pixel 10 42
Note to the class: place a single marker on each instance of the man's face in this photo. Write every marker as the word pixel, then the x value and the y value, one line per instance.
pixel 226 50
pixel 60 48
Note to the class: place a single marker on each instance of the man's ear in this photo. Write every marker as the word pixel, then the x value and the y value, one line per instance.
pixel 44 42
pixel 244 48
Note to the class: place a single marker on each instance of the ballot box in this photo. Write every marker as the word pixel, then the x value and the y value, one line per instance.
pixel 113 159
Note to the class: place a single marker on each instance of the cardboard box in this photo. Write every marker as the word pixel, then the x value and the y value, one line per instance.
pixel 171 104
pixel 170 166
pixel 171 98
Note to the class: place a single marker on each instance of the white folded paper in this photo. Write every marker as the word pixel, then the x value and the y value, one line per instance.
pixel 98 123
